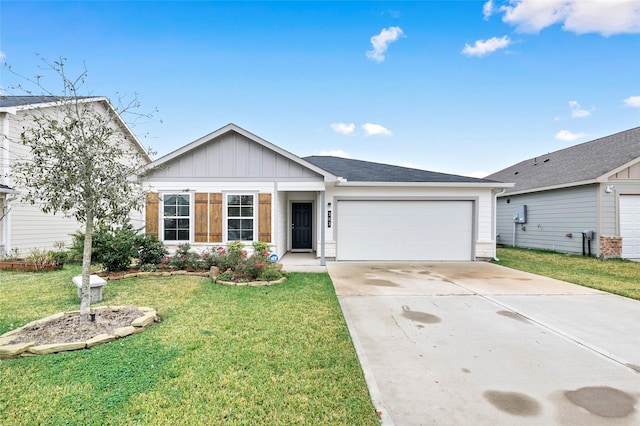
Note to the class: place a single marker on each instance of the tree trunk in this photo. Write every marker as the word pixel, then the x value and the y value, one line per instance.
pixel 85 300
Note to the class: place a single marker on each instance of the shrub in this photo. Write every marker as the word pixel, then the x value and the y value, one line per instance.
pixel 231 257
pixel 59 255
pixel 112 247
pixel 184 258
pixel 259 247
pixel 40 258
pixel 151 250
pixel 238 267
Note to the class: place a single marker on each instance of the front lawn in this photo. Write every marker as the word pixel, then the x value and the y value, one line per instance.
pixel 276 355
pixel 616 276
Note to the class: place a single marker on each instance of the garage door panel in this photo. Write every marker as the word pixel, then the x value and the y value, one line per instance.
pixel 630 226
pixel 404 230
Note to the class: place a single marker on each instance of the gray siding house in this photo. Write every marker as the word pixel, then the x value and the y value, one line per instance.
pixel 232 185
pixel 23 226
pixel 575 200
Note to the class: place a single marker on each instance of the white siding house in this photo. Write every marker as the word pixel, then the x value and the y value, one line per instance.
pixel 24 227
pixel 233 185
pixel 594 186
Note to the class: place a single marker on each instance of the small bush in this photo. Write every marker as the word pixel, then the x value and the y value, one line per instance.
pixel 40 258
pixel 114 248
pixel 184 258
pixel 151 250
pixel 259 247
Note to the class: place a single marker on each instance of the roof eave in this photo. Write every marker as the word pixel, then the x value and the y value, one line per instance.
pixel 46 104
pixel 427 184
pixel 551 187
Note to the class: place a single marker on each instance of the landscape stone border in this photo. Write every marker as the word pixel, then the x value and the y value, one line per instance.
pixel 212 273
pixel 251 283
pixel 153 274
pixel 138 325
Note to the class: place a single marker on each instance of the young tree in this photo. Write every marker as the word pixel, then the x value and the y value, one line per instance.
pixel 80 162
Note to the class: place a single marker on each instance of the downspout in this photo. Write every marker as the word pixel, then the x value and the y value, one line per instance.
pixel 5 179
pixel 495 218
pixel 322 230
pixel 274 223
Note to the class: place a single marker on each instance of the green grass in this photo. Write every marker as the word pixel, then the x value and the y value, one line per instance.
pixel 277 355
pixel 616 276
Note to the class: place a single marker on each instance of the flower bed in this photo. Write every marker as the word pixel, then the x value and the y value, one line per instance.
pixel 231 266
pixel 22 265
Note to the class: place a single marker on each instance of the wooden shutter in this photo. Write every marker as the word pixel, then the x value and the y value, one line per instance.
pixel 152 209
pixel 215 218
pixel 264 218
pixel 201 226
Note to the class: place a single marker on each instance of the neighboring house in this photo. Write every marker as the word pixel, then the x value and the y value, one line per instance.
pixel 233 185
pixel 24 227
pixel 594 186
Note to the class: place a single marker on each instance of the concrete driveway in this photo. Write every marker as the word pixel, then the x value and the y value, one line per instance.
pixel 477 343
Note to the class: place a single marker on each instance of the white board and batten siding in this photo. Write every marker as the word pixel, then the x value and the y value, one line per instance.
pixel 232 156
pixel 441 230
pixel 630 225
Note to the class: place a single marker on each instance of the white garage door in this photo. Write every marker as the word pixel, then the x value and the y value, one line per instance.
pixel 404 230
pixel 630 226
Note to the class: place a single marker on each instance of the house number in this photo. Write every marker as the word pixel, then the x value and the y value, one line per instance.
pixel 329 219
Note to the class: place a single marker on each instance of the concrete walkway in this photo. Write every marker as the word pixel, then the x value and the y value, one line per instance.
pixel 301 262
pixel 480 344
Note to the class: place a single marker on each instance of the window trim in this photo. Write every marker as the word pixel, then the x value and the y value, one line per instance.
pixel 162 196
pixel 225 215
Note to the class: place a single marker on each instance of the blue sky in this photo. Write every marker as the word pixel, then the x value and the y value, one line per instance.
pixel 463 87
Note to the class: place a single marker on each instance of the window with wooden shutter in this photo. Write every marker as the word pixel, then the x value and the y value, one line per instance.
pixel 151 214
pixel 264 218
pixel 176 217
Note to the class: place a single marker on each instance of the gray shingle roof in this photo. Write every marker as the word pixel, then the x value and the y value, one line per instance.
pixel 365 171
pixel 16 101
pixel 579 163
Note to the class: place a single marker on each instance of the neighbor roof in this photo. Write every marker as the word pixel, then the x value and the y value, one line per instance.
pixel 585 163
pixel 4 189
pixel 13 104
pixel 17 101
pixel 366 171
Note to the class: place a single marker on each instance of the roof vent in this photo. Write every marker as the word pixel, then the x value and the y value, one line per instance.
pixel 515 173
pixel 546 160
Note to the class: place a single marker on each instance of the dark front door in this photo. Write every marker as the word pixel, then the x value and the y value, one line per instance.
pixel 301 226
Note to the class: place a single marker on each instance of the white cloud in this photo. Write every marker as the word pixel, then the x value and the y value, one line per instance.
pixel 578 16
pixel 335 153
pixel 375 130
pixel 576 111
pixel 567 136
pixel 632 101
pixel 343 128
pixel 487 9
pixel 2 55
pixel 381 42
pixel 483 47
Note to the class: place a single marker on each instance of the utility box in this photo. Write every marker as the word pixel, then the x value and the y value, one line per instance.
pixel 521 215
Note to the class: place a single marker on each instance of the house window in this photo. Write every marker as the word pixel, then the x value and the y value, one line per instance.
pixel 177 217
pixel 240 217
